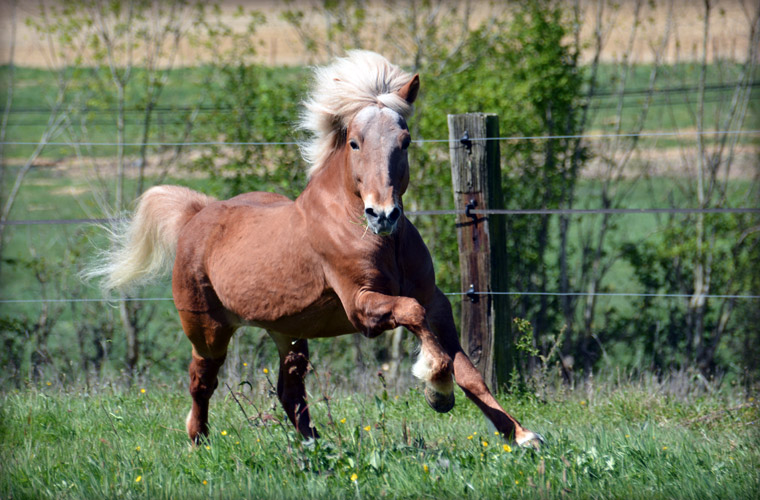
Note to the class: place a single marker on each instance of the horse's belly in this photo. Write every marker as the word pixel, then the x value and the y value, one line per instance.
pixel 323 318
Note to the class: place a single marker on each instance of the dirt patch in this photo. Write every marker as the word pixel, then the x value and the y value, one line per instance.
pixel 279 44
pixel 671 162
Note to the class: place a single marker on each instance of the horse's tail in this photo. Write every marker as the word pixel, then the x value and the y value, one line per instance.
pixel 143 247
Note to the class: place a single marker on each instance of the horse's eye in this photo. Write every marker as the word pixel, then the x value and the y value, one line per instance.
pixel 354 145
pixel 406 142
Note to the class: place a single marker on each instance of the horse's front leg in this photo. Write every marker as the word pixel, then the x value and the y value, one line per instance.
pixel 468 377
pixel 294 363
pixel 377 312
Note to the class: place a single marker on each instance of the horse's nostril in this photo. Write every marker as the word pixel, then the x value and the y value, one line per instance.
pixel 394 215
pixel 369 212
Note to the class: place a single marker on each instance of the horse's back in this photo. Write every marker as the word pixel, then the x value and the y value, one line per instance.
pixel 260 199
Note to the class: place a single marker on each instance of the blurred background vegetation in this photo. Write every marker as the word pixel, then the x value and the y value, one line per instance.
pixel 149 78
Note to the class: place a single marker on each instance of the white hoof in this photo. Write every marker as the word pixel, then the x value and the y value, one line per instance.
pixel 530 439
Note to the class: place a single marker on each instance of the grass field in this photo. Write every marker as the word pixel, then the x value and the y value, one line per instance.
pixel 612 441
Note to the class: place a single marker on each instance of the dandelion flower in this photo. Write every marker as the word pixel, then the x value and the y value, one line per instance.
pixel 507 448
pixel 664 448
pixel 517 482
pixel 205 482
pixel 343 420
pixel 627 435
pixel 425 468
pixel 142 391
pixel 485 444
pixel 354 477
pixel 367 428
pixel 495 433
pixel 266 371
pixel 137 448
pixel 583 403
pixel 208 447
pixel 224 433
pixel 138 479
pixel 237 442
pixel 469 437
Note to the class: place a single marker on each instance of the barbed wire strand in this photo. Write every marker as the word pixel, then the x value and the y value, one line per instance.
pixel 495 211
pixel 552 294
pixel 598 94
pixel 418 141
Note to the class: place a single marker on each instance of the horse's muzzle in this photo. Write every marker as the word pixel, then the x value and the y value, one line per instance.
pixel 381 222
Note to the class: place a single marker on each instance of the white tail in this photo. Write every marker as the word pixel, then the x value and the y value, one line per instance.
pixel 143 247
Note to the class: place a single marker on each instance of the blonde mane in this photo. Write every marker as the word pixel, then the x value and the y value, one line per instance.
pixel 340 91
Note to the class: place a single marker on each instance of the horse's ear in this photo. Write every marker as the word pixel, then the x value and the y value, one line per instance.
pixel 409 91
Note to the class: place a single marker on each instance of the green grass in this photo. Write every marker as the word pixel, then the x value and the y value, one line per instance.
pixel 36 88
pixel 626 441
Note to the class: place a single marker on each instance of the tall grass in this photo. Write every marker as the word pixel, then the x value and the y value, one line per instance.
pixel 616 440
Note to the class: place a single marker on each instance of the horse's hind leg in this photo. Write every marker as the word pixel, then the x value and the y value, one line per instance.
pixel 294 363
pixel 210 338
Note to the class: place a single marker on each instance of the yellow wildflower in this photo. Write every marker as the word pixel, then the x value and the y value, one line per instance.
pixel 664 448
pixel 266 371
pixel 485 443
pixel 205 482
pixel 469 437
pixel 627 435
pixel 367 428
pixel 517 482
pixel 495 433
pixel 138 479
pixel 343 420
pixel 245 364
pixel 507 448
pixel 354 477
pixel 50 383
pixel 137 448
pixel 224 433
pixel 583 403
pixel 208 447
pixel 425 468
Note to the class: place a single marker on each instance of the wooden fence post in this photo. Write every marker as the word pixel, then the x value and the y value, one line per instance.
pixel 486 332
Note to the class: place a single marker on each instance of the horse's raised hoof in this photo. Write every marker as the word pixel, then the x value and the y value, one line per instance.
pixel 441 403
pixel 530 439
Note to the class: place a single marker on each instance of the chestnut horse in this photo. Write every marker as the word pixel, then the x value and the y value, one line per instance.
pixel 341 258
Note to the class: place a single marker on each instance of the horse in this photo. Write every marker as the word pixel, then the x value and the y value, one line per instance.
pixel 341 258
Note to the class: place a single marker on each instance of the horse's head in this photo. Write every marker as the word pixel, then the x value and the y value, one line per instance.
pixel 377 139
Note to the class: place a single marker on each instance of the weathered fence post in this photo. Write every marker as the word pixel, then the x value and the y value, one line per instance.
pixel 486 333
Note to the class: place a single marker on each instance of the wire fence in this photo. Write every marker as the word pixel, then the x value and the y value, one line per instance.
pixel 511 212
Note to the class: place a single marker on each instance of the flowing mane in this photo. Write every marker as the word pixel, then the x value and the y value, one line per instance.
pixel 340 91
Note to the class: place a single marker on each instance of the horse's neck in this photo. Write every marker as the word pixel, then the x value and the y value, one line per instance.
pixel 330 187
